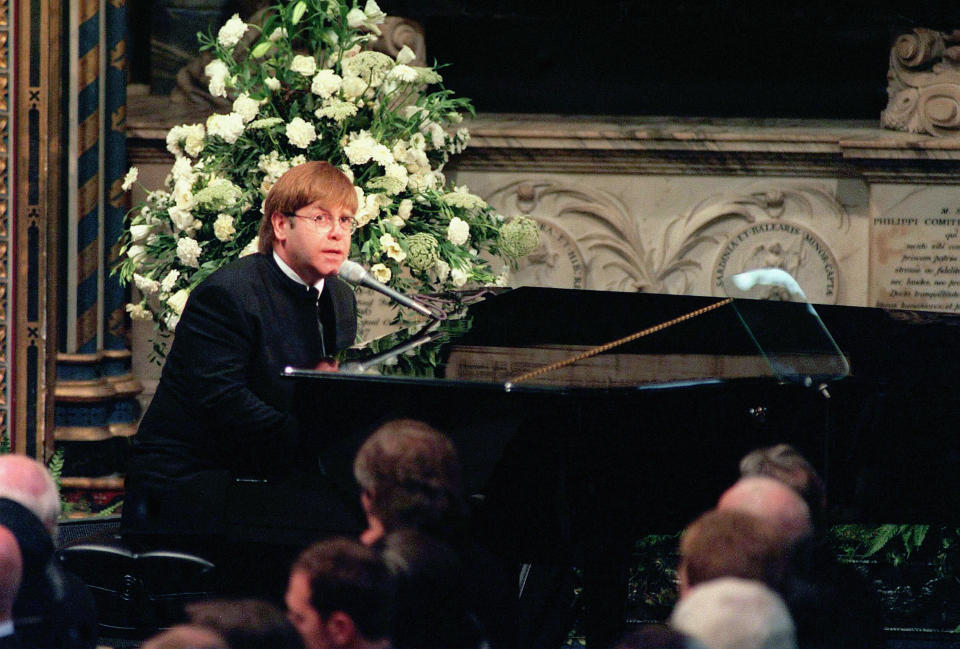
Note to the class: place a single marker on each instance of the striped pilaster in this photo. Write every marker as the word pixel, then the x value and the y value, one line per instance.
pixel 88 177
pixel 96 405
pixel 114 169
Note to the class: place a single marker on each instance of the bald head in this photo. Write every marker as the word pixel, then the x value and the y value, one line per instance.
pixel 771 500
pixel 26 481
pixel 11 572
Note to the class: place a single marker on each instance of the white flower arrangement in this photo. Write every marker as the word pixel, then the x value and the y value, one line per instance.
pixel 305 89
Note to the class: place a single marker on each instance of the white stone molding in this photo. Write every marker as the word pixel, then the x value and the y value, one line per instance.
pixel 924 83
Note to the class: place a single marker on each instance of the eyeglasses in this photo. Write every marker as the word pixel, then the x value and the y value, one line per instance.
pixel 323 222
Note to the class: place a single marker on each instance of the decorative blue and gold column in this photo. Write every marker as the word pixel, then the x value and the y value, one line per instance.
pixel 96 407
pixel 117 359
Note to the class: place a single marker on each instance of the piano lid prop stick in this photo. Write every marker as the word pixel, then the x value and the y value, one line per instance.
pixel 615 343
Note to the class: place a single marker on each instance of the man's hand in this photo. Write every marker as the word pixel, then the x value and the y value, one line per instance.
pixel 327 365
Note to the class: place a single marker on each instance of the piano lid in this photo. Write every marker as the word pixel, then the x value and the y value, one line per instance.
pixel 538 338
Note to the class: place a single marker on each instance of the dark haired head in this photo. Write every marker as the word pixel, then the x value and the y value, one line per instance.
pixel 348 576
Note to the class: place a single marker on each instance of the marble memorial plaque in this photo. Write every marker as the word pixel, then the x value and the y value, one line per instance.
pixel 915 251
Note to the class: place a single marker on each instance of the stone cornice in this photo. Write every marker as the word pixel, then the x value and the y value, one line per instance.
pixel 648 145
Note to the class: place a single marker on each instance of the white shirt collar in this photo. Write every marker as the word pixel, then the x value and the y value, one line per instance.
pixel 6 628
pixel 289 272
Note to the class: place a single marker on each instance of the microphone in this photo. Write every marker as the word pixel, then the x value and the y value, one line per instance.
pixel 357 274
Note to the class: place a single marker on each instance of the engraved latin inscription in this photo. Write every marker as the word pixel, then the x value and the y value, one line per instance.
pixel 917 260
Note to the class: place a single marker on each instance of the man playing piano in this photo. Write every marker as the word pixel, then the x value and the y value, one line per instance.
pixel 221 420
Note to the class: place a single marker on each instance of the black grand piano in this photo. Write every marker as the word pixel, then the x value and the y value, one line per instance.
pixel 576 462
pixel 657 425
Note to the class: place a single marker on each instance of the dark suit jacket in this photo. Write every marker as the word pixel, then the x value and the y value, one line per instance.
pixel 222 410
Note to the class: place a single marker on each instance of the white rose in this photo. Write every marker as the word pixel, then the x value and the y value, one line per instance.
pixel 192 135
pixel 391 248
pixel 405 208
pixel 458 232
pixel 458 277
pixel 146 285
pixel 136 252
pixel 193 140
pixel 218 72
pixel 171 321
pixel 369 17
pixel 246 107
pixel 356 18
pixel 232 31
pixel 229 127
pixel 137 312
pixel 251 247
pixel 174 135
pixel 325 83
pixel 178 300
pixel 223 227
pixel 188 252
pixel 139 232
pixel 359 148
pixel 300 133
pixel 381 273
pixel 443 270
pixel 437 134
pixel 272 83
pixel 305 65
pixel 169 280
pixel 182 171
pixel 353 87
pixel 405 55
pixel 130 178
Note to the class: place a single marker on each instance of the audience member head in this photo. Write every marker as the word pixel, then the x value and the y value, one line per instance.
pixel 186 636
pixel 304 184
pixel 773 501
pixel 409 475
pixel 246 623
pixel 11 572
pixel 27 482
pixel 784 463
pixel 730 543
pixel 340 594
pixel 731 613
pixel 657 636
pixel 431 605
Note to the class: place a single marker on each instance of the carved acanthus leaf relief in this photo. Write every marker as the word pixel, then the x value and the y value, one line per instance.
pixel 609 243
pixel 673 258
pixel 924 83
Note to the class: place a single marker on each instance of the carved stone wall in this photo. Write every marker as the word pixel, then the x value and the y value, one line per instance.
pixel 924 83
pixel 675 207
pixel 646 241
